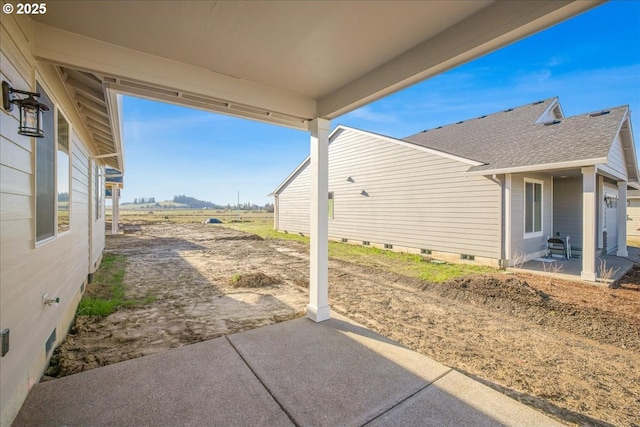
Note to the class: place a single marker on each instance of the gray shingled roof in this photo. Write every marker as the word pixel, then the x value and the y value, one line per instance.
pixel 510 139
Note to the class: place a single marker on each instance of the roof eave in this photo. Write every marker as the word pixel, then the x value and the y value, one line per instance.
pixel 541 167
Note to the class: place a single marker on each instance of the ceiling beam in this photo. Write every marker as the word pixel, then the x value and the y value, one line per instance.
pixel 491 28
pixel 71 50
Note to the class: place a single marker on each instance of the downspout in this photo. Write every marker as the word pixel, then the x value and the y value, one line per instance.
pixel 503 262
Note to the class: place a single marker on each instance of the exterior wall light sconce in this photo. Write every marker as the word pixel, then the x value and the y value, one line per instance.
pixel 350 179
pixel 30 110
pixel 364 193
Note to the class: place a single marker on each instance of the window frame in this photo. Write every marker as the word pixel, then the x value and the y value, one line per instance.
pixel 60 113
pixel 39 205
pixel 534 233
pixel 98 188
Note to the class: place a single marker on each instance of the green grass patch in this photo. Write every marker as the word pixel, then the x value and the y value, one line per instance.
pixel 107 292
pixel 264 229
pixel 396 262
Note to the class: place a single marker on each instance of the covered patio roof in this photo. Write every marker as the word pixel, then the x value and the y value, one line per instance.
pixel 281 62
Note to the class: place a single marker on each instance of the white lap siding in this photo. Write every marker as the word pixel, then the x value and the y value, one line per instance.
pixel 390 193
pixel 29 269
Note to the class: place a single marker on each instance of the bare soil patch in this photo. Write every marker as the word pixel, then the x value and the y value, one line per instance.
pixel 568 349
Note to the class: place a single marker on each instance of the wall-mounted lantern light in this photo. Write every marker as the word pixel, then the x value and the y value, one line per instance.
pixel 30 110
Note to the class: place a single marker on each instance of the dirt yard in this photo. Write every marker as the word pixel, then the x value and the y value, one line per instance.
pixel 568 349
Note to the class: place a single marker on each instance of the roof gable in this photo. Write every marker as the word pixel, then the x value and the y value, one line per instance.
pixel 341 128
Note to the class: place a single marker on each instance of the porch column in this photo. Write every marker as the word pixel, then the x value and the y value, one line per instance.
pixel 115 209
pixel 318 308
pixel 622 219
pixel 588 224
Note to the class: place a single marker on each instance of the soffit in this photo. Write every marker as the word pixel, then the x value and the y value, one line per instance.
pixel 308 47
pixel 283 62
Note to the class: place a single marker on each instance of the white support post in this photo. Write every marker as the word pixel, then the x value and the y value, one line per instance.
pixel 589 224
pixel 318 308
pixel 622 219
pixel 115 209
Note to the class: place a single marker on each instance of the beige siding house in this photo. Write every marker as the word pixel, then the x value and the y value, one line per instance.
pixel 633 215
pixel 52 230
pixel 491 190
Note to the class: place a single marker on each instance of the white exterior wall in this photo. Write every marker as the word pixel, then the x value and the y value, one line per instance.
pixel 567 209
pixel 57 266
pixel 414 199
pixel 535 246
pixel 294 202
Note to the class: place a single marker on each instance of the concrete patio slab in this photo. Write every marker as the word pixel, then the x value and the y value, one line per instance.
pixel 204 384
pixel 570 269
pixel 335 373
pixel 457 400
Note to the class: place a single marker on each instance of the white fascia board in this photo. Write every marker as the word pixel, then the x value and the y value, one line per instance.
pixel 411 145
pixel 341 128
pixel 291 176
pixel 72 50
pixel 542 167
pixel 493 27
pixel 628 145
pixel 114 106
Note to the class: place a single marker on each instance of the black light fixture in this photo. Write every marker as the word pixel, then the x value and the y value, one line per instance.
pixel 30 110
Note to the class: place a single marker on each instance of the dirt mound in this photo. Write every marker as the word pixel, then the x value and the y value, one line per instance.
pixel 516 297
pixel 253 280
pixel 505 294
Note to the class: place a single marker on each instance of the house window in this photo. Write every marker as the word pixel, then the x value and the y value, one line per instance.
pixel 330 204
pixel 532 208
pixel 45 174
pixel 63 174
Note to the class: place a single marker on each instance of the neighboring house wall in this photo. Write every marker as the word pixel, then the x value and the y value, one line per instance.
pixel 529 247
pixel 294 203
pixel 633 218
pixel 389 193
pixel 567 209
pixel 56 266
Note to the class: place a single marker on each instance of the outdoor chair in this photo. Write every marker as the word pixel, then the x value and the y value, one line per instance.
pixel 556 245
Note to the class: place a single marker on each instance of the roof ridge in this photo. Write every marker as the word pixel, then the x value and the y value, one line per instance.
pixel 507 110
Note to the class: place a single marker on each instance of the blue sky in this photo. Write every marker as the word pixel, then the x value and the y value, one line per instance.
pixel 590 62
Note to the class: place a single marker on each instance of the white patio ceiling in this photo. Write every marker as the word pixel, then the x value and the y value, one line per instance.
pixel 284 62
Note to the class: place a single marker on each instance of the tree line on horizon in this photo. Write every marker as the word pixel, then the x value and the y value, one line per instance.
pixel 193 203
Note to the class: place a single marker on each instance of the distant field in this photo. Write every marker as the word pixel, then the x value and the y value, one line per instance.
pixel 191 215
